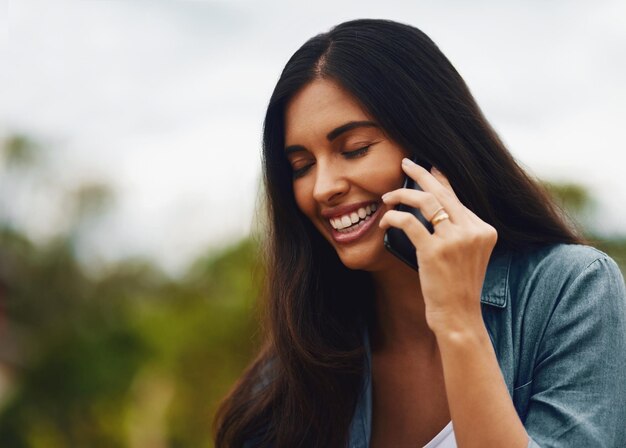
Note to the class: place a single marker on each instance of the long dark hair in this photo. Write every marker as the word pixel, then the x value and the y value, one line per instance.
pixel 302 388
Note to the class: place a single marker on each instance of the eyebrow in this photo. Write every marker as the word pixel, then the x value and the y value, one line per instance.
pixel 332 135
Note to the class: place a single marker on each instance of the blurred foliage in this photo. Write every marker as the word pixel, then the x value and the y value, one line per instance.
pixel 573 196
pixel 125 358
pixel 128 357
pixel 18 151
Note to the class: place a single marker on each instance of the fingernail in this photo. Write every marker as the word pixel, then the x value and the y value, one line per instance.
pixel 384 197
pixel 407 162
pixel 434 170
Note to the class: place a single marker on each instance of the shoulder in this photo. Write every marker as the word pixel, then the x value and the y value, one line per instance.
pixel 569 310
pixel 542 273
pixel 562 264
pixel 562 255
pixel 563 281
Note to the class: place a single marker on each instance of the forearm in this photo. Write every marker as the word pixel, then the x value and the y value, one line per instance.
pixel 480 406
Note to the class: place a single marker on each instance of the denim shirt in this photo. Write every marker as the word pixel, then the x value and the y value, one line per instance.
pixel 556 318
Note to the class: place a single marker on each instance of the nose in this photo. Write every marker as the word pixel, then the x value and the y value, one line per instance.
pixel 330 182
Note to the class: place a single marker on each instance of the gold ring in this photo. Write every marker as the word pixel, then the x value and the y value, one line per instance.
pixel 440 209
pixel 441 216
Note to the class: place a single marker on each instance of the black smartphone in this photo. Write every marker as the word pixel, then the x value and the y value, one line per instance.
pixel 396 240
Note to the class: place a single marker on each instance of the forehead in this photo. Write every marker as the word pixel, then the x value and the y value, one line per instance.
pixel 317 108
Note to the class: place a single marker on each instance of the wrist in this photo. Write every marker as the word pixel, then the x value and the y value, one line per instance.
pixel 458 320
pixel 457 329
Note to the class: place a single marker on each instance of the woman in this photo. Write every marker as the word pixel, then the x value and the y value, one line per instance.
pixel 511 334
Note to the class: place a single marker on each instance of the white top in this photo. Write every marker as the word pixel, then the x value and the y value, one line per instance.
pixel 445 438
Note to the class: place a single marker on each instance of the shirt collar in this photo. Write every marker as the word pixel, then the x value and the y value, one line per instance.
pixel 496 284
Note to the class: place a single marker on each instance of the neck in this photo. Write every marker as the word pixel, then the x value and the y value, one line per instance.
pixel 400 323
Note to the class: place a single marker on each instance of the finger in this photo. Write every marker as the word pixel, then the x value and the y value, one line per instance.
pixel 415 230
pixel 443 180
pixel 430 184
pixel 426 202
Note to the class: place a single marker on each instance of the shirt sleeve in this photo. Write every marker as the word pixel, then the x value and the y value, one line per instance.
pixel 578 395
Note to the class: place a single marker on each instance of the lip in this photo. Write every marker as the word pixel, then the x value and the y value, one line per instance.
pixel 345 238
pixel 336 212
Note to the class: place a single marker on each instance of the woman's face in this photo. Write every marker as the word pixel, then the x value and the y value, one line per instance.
pixel 342 163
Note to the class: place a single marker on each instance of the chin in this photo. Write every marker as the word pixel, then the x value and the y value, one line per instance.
pixel 354 264
pixel 363 260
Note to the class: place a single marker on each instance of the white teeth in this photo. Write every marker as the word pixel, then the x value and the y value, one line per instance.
pixel 349 220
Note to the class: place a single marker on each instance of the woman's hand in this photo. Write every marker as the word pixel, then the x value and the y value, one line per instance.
pixel 453 260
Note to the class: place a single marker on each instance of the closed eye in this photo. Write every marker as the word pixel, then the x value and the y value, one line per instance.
pixel 299 172
pixel 357 152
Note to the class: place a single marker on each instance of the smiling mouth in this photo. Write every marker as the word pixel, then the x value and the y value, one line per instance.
pixel 352 221
pixel 361 221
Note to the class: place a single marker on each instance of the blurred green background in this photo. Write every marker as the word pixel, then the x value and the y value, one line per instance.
pixel 126 355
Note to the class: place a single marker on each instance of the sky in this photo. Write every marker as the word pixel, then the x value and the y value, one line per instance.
pixel 164 101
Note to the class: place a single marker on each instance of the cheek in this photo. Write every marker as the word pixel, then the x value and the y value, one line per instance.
pixel 384 179
pixel 383 172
